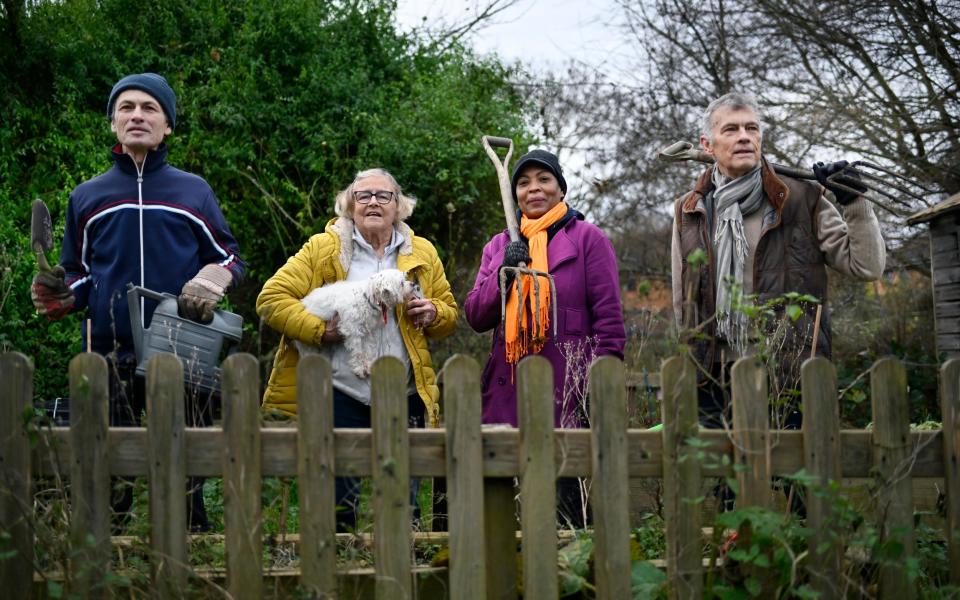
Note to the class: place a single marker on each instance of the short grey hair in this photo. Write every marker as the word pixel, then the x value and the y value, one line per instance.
pixel 343 205
pixel 734 100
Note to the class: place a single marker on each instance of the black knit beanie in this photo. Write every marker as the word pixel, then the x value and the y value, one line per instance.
pixel 153 84
pixel 540 157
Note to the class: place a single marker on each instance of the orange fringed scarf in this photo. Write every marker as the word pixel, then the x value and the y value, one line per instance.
pixel 524 329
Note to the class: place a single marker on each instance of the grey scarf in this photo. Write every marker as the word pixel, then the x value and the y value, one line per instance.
pixel 732 201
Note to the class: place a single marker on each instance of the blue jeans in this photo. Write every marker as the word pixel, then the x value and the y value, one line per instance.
pixel 353 414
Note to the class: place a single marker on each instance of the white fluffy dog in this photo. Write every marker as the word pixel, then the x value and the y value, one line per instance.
pixel 362 306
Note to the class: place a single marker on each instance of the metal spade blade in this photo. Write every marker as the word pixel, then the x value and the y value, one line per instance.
pixel 41 233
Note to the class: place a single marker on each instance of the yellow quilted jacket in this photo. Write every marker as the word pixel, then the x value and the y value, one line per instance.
pixel 325 258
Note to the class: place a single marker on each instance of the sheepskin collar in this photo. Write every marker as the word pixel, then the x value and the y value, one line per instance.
pixel 343 228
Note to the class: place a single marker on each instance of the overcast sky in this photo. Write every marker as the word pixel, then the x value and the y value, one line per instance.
pixel 545 34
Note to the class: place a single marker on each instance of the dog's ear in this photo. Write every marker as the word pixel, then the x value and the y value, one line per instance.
pixel 373 287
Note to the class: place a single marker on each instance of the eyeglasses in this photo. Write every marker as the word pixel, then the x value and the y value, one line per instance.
pixel 365 197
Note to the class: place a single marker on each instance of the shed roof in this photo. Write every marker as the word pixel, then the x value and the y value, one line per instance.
pixel 934 211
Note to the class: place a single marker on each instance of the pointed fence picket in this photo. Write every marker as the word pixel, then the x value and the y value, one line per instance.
pixel 538 478
pixel 480 466
pixel 950 401
pixel 608 470
pixel 891 459
pixel 16 496
pixel 464 450
pixel 391 480
pixel 681 479
pixel 242 475
pixel 89 473
pixel 821 444
pixel 167 472
pixel 315 469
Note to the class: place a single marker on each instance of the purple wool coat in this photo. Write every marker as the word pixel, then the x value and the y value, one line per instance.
pixel 589 314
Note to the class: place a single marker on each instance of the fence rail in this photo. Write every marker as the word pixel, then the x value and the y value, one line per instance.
pixel 478 464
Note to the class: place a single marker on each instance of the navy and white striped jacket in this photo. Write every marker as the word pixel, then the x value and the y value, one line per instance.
pixel 183 229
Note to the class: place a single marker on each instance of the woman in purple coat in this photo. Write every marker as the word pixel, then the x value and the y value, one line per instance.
pixel 554 238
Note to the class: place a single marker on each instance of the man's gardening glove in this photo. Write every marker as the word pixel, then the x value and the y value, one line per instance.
pixel 850 179
pixel 514 254
pixel 201 294
pixel 51 295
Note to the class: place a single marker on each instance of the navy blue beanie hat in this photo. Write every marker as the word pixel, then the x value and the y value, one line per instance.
pixel 153 84
pixel 540 157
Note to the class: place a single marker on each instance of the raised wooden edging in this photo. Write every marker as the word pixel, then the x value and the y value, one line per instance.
pixel 243 453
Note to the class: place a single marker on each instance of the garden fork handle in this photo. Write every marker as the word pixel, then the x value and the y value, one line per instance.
pixel 506 194
pixel 682 151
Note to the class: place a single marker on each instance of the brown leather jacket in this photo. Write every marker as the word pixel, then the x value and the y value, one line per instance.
pixel 787 259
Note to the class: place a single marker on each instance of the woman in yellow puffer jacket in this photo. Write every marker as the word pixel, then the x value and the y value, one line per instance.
pixel 328 257
pixel 368 236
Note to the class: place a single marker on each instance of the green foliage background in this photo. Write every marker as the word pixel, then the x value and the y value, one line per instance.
pixel 279 105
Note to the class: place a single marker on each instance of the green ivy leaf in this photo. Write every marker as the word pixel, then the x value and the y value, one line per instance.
pixel 794 312
pixel 806 593
pixel 54 589
pixel 646 580
pixel 697 258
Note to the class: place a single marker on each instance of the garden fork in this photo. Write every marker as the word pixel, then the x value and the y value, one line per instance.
pixel 681 151
pixel 513 229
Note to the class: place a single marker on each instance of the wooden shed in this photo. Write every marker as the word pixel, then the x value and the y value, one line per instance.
pixel 944 219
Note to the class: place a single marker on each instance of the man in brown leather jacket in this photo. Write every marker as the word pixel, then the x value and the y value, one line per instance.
pixel 761 234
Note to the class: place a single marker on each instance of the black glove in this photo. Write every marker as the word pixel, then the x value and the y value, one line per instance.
pixel 516 253
pixel 51 295
pixel 850 179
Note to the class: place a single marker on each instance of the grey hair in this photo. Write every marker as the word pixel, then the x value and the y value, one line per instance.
pixel 735 100
pixel 343 205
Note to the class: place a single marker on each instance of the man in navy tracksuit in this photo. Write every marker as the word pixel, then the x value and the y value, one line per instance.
pixel 143 222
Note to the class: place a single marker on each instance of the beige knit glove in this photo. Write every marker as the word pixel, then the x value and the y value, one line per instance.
pixel 200 295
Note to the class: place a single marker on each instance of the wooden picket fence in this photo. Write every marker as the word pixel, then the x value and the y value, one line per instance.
pixel 479 466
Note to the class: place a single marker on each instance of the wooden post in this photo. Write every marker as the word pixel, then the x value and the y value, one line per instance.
pixel 751 432
pixel 538 478
pixel 681 479
pixel 608 444
pixel 316 469
pixel 89 472
pixel 242 479
pixel 391 479
pixel 950 402
pixel 821 450
pixel 891 460
pixel 464 478
pixel 167 475
pixel 16 498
